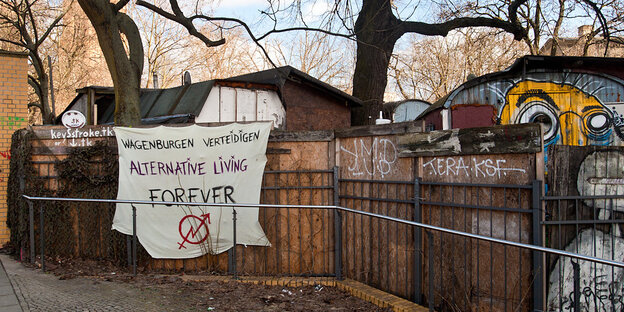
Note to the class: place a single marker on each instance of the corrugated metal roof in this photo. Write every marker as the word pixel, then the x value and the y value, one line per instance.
pixel 182 100
pixel 487 87
pixel 190 99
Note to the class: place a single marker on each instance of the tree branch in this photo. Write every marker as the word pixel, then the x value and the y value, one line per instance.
pixel 179 18
pixel 35 85
pixel 135 45
pixel 442 29
pixel 119 5
pixel 54 23
pixel 35 104
pixel 603 23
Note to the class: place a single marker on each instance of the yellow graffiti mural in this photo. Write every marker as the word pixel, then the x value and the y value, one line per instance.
pixel 569 115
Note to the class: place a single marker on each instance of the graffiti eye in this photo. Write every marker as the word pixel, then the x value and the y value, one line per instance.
pixel 544 120
pixel 598 122
pixel 597 125
pixel 540 112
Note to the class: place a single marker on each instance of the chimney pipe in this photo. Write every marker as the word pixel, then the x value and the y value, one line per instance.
pixel 585 30
pixel 155 80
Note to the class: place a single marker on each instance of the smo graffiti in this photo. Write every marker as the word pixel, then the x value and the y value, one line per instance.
pixel 601 286
pixel 570 115
pixel 375 160
pixel 455 166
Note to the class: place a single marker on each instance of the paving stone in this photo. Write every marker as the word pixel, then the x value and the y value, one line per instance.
pixel 8 300
pixel 37 291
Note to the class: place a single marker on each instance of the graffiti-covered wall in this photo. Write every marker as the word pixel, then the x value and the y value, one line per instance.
pixel 581 115
pixel 575 108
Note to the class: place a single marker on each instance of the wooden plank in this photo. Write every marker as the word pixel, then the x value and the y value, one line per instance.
pixel 522 138
pixel 301 136
pixel 393 128
pixel 271 150
pixel 60 132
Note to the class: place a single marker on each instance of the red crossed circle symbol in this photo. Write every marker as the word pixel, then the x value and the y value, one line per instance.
pixel 192 231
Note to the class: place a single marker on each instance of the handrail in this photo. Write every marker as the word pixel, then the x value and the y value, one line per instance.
pixel 413 223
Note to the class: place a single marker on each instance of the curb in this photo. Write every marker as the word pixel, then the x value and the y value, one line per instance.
pixel 354 288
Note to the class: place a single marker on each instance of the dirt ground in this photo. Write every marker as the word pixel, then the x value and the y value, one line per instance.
pixel 217 295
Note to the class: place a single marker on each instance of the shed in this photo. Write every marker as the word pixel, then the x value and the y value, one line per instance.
pixel 310 104
pixel 290 98
pixel 406 110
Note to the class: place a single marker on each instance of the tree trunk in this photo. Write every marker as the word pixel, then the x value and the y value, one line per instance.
pixel 125 67
pixel 41 87
pixel 377 31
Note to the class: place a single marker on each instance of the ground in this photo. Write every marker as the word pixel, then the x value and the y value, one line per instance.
pixel 177 292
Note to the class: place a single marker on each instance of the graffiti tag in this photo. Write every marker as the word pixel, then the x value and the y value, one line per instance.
pixel 601 286
pixel 454 166
pixel 79 137
pixel 6 154
pixel 378 158
pixel 12 121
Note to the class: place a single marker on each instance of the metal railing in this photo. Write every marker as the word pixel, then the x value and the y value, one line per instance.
pixel 338 237
pixel 589 224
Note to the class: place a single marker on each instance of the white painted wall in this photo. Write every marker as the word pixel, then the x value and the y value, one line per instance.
pixel 227 104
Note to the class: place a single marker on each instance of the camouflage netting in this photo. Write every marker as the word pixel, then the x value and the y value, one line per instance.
pixel 20 182
pixel 72 230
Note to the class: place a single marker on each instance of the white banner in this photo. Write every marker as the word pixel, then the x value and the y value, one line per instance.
pixel 191 164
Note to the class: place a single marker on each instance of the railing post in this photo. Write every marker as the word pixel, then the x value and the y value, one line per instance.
pixel 129 249
pixel 431 298
pixel 337 228
pixel 417 244
pixel 134 241
pixel 42 236
pixel 31 224
pixel 234 246
pixel 577 285
pixel 538 257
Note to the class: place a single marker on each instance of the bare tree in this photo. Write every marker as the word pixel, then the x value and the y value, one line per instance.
pixel 28 24
pixel 376 25
pixel 121 45
pixel 318 54
pixel 77 60
pixel 376 29
pixel 433 67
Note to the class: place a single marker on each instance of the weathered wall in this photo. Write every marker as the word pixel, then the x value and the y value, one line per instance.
pixel 590 226
pixel 576 108
pixel 497 166
pixel 13 115
pixel 309 109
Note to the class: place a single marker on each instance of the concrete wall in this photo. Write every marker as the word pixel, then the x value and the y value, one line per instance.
pixel 13 115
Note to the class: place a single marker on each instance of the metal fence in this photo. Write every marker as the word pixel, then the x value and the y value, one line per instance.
pixel 302 240
pixel 378 252
pixel 429 230
pixel 474 274
pixel 482 248
pixel 589 225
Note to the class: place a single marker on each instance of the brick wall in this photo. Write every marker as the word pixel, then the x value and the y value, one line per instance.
pixel 13 116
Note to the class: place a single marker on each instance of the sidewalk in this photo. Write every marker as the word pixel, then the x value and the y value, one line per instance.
pixel 8 298
pixel 26 289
